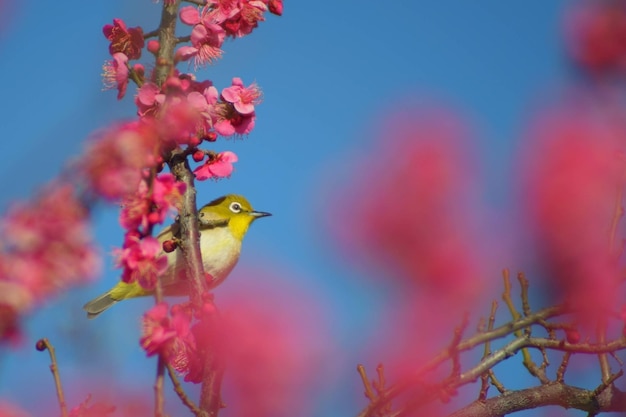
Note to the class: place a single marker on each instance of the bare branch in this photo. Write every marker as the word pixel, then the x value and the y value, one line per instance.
pixel 43 344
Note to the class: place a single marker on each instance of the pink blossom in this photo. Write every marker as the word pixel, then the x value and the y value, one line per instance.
pixel 11 410
pixel 88 409
pixel 47 248
pixel 113 162
pixel 135 211
pixel 243 98
pixel 167 194
pixel 205 103
pixel 128 41
pixel 219 166
pixel 143 261
pixel 171 336
pixel 572 175
pixel 206 41
pixel 230 122
pixel 148 100
pixel 156 333
pixel 115 74
pixel 220 10
pixel 189 15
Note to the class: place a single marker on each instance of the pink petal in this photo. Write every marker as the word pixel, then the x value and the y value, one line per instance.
pixel 189 15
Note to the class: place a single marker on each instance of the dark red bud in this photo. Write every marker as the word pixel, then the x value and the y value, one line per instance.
pixel 41 345
pixel 198 155
pixel 169 246
pixel 211 137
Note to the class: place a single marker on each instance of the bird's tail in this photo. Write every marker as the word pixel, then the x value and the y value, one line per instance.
pixel 99 304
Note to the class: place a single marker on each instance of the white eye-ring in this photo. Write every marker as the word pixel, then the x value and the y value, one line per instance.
pixel 235 207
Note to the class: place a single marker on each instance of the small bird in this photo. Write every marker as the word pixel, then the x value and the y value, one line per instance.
pixel 222 223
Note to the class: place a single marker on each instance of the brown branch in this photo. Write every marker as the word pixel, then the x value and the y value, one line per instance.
pixel 417 378
pixel 43 344
pixel 167 41
pixel 551 394
pixel 210 398
pixel 159 399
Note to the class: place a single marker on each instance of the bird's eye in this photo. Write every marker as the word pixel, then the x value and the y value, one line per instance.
pixel 235 207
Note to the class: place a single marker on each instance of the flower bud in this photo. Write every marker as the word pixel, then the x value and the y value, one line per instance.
pixel 153 46
pixel 169 246
pixel 198 155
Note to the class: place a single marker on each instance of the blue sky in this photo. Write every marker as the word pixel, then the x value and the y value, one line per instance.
pixel 328 71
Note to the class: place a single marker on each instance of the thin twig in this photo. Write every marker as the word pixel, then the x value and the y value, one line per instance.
pixel 527 358
pixel 560 373
pixel 605 368
pixel 43 344
pixel 369 392
pixel 181 392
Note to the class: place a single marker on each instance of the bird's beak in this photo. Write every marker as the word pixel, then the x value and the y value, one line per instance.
pixel 258 214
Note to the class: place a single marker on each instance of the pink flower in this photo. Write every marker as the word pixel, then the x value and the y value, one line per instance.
pixel 231 122
pixel 113 162
pixel 143 261
pixel 242 98
pixel 189 15
pixel 115 74
pixel 86 409
pixel 124 40
pixel 156 333
pixel 148 100
pixel 47 248
pixel 217 167
pixel 167 194
pixel 206 41
pixel 595 34
pixel 572 175
pixel 10 410
pixel 135 211
pixel 171 336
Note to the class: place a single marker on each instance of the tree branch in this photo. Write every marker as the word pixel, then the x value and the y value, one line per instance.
pixel 555 393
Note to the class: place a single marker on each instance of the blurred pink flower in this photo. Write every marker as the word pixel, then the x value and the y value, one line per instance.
pixel 113 161
pixel 143 261
pixel 595 34
pixel 156 332
pixel 573 171
pixel 8 409
pixel 413 208
pixel 218 167
pixel 148 100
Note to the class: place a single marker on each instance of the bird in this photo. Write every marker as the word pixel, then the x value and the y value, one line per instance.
pixel 223 223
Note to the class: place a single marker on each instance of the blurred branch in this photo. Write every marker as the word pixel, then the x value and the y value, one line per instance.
pixel 566 396
pixel 43 344
pixel 423 391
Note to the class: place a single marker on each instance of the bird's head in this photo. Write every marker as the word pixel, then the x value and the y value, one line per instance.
pixel 232 211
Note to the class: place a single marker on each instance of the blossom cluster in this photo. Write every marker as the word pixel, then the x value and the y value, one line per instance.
pixel 596 36
pixel 181 343
pixel 47 247
pixel 124 162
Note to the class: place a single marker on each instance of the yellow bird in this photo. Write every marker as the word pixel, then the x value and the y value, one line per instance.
pixel 223 223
